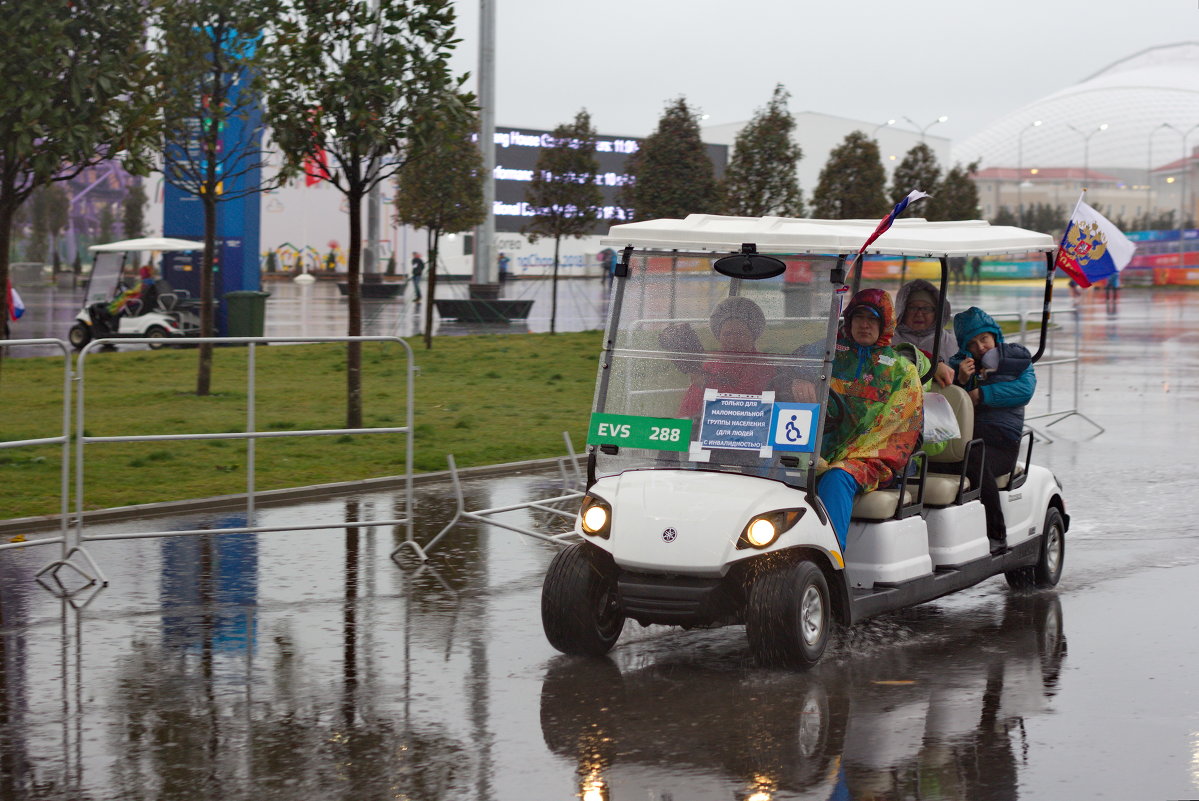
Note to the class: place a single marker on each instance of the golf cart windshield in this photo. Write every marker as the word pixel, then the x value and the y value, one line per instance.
pixel 105 275
pixel 706 371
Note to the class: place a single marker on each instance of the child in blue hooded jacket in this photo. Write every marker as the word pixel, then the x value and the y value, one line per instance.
pixel 1000 380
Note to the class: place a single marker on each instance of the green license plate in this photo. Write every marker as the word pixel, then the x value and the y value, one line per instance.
pixel 634 431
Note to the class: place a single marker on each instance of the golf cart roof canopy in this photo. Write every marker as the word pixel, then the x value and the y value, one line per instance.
pixel 907 237
pixel 147 243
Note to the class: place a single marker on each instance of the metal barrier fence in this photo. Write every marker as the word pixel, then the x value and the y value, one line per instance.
pixel 75 538
pixel 573 489
pixel 1047 367
pixel 63 439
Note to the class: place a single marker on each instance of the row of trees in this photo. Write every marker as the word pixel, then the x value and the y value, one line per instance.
pixel 672 176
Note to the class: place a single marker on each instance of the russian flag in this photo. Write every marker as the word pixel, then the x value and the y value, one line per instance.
pixel 885 223
pixel 16 307
pixel 1092 249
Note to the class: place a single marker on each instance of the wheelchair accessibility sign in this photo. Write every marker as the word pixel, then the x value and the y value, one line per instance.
pixel 793 426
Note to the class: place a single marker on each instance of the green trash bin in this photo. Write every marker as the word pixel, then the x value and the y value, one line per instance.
pixel 245 312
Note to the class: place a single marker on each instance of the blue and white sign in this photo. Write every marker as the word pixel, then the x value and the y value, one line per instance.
pixel 735 422
pixel 793 426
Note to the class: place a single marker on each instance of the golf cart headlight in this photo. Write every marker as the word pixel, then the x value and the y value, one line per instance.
pixel 763 530
pixel 595 517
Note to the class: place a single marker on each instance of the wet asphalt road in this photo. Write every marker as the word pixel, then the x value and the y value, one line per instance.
pixel 310 666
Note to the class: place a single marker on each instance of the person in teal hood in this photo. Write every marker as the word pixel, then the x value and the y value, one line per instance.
pixel 1000 380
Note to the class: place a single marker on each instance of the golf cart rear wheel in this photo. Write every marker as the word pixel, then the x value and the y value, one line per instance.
pixel 157 332
pixel 580 611
pixel 789 616
pixel 1048 569
pixel 79 336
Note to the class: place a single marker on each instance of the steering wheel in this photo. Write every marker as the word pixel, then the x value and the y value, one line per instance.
pixel 837 410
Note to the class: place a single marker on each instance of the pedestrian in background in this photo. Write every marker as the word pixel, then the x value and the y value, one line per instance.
pixel 418 269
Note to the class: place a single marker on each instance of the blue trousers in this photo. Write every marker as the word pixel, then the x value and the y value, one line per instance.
pixel 836 490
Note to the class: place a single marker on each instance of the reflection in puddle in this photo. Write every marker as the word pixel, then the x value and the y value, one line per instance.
pixel 942 719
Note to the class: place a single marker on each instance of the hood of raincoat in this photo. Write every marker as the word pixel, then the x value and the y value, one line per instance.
pixel 878 300
pixel 969 324
pixel 905 295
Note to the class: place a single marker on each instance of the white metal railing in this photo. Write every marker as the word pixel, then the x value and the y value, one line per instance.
pixel 63 439
pixel 78 536
pixel 1048 367
pixel 573 489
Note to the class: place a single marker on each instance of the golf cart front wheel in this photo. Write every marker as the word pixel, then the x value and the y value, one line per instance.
pixel 789 617
pixel 79 336
pixel 1048 569
pixel 580 611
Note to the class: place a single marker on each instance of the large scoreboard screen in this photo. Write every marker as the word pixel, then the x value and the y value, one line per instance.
pixel 516 152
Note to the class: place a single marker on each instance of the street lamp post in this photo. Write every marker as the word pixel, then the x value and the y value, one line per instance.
pixel 1086 149
pixel 942 118
pixel 881 125
pixel 1149 172
pixel 1020 167
pixel 1185 166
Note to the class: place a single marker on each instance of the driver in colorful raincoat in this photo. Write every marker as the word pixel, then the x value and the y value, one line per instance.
pixel 868 445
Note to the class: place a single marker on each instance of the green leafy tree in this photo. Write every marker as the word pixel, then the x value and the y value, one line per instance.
pixel 919 170
pixel 133 210
pixel 71 95
pixel 1005 216
pixel 105 223
pixel 207 58
pixel 957 196
pixel 671 174
pixel 851 184
pixel 441 189
pixel 564 191
pixel 761 179
pixel 349 81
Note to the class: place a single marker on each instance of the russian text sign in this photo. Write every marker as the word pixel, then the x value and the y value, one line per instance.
pixel 735 422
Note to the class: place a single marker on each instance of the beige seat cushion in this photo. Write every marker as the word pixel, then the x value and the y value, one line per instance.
pixel 1002 481
pixel 879 504
pixel 941 489
pixel 963 409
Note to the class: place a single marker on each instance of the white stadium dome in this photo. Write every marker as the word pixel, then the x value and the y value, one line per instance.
pixel 1133 97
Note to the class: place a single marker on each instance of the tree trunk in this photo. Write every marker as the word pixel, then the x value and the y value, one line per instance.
pixel 354 349
pixel 204 368
pixel 554 289
pixel 433 236
pixel 8 208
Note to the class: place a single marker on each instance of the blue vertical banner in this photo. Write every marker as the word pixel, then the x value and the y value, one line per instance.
pixel 238 223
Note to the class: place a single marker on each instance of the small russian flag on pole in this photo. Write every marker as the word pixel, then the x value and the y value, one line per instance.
pixel 884 224
pixel 16 307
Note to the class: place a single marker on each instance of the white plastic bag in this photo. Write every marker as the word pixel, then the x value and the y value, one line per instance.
pixel 940 423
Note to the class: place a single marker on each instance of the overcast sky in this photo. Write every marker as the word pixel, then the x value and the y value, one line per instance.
pixel 624 60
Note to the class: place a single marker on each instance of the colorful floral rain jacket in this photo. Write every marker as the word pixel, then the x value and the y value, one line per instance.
pixel 885 410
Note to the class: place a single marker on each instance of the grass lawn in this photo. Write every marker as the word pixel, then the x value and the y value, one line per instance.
pixel 486 399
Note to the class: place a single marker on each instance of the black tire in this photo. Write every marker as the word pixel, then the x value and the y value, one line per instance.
pixel 79 336
pixel 579 606
pixel 157 332
pixel 1048 570
pixel 789 616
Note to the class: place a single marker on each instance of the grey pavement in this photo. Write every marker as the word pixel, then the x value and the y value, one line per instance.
pixel 302 665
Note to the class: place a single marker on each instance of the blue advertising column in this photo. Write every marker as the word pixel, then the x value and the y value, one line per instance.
pixel 238 219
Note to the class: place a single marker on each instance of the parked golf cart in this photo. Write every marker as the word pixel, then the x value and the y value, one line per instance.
pixel 164 313
pixel 701 508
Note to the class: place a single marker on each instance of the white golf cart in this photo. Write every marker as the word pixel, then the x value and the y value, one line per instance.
pixel 165 312
pixel 701 508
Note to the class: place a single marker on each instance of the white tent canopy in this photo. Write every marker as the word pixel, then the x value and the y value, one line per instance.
pixel 907 237
pixel 147 243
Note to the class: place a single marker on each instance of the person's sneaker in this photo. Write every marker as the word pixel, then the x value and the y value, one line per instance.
pixel 997 546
